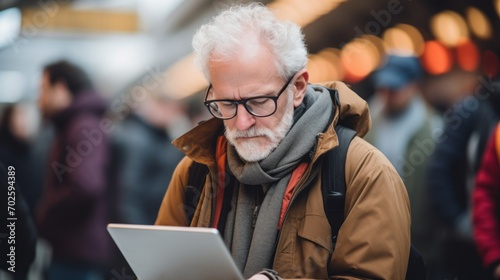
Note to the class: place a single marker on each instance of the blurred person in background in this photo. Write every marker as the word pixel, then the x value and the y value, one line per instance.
pixel 21 147
pixel 73 211
pixel 24 146
pixel 446 90
pixel 402 129
pixel 451 173
pixel 486 202
pixel 144 158
pixel 24 231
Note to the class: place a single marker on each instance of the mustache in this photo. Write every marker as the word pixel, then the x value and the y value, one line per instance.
pixel 252 132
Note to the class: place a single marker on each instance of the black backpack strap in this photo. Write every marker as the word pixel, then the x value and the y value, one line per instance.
pixel 333 180
pixel 196 180
pixel 333 187
pixel 417 268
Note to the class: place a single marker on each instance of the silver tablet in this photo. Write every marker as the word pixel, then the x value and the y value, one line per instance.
pixel 165 252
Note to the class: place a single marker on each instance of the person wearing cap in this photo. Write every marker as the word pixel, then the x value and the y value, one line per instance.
pixel 403 128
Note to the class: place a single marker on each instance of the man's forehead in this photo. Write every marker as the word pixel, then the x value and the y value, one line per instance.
pixel 252 49
pixel 250 89
pixel 248 50
pixel 249 69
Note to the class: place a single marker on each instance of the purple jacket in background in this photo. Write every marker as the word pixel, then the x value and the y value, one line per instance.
pixel 73 212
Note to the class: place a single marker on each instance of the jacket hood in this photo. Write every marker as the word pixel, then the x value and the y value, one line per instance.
pixel 353 113
pixel 86 102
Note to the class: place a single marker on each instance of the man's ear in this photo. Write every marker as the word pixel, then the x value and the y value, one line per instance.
pixel 300 84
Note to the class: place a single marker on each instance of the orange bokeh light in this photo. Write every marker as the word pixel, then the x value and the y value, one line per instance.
pixel 332 57
pixel 449 28
pixel 479 23
pixel 359 58
pixel 468 56
pixel 436 59
pixel 404 38
pixel 497 7
pixel 324 66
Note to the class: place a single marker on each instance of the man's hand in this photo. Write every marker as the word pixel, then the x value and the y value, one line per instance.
pixel 263 277
pixel 266 274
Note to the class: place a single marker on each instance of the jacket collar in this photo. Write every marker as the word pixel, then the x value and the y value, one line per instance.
pixel 352 112
pixel 199 143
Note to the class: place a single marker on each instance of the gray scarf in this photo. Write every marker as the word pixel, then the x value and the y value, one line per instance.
pixel 252 249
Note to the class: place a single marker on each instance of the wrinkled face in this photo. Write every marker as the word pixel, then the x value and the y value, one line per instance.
pixel 53 98
pixel 257 142
pixel 253 73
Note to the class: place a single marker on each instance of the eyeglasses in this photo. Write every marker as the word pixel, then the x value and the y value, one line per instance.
pixel 258 106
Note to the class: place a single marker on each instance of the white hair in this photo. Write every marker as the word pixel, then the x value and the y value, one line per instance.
pixel 222 37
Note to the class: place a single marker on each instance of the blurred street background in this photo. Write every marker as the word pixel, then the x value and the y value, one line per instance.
pixel 138 56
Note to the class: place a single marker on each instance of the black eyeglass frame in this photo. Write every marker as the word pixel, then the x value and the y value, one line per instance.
pixel 244 101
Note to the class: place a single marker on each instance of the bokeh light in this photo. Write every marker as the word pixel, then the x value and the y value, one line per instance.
pixel 478 23
pixel 302 12
pixel 449 28
pixel 404 38
pixel 325 66
pixel 468 56
pixel 313 68
pixel 397 40
pixel 359 58
pixel 377 47
pixel 331 57
pixel 177 84
pixel 436 59
pixel 320 70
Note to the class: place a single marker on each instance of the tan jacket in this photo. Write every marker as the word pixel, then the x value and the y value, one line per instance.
pixel 374 240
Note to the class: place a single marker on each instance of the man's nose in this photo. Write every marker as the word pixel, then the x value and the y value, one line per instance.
pixel 244 120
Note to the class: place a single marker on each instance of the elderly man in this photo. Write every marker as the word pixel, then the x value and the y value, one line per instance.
pixel 263 150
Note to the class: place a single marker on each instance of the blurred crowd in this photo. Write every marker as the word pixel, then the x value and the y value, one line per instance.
pixel 83 161
pixel 79 165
